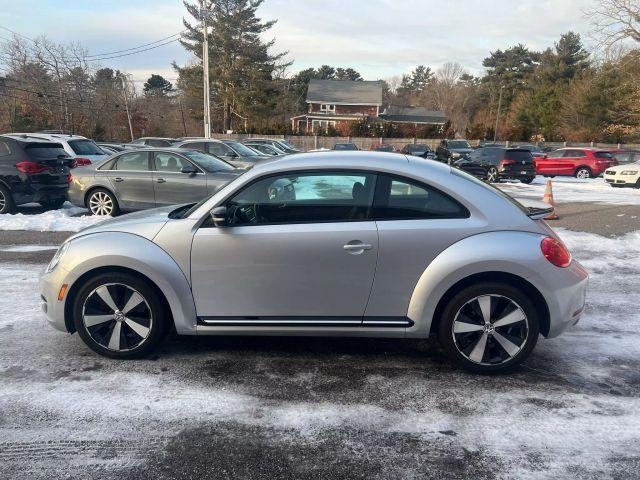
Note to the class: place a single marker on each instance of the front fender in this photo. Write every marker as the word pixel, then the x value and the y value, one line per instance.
pixel 127 250
pixel 513 252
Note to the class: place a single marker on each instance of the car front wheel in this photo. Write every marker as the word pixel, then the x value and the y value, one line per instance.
pixel 118 315
pixel 489 328
pixel 492 175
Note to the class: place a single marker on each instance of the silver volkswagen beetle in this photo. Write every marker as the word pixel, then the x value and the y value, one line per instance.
pixel 326 244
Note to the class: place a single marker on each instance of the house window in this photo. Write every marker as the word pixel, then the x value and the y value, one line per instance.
pixel 325 107
pixel 322 125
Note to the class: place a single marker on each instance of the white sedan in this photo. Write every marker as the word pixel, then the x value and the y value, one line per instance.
pixel 623 175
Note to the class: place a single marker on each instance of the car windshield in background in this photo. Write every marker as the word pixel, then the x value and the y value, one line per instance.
pixel 46 151
pixel 345 146
pixel 418 149
pixel 209 162
pixel 242 150
pixel 519 155
pixel 531 148
pixel 286 144
pixel 459 144
pixel 385 148
pixel 85 147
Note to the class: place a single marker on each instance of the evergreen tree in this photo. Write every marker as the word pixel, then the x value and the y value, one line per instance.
pixel 157 85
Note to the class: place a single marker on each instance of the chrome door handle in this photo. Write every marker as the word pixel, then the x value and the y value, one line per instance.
pixel 349 247
pixel 161 180
pixel 118 179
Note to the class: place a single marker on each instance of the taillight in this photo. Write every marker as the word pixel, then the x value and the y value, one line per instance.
pixel 31 167
pixel 69 178
pixel 506 161
pixel 81 162
pixel 555 251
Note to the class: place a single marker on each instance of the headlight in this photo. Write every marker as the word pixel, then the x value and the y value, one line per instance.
pixel 455 155
pixel 630 172
pixel 56 258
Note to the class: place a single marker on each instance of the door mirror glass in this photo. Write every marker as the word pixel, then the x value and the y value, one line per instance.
pixel 189 169
pixel 219 216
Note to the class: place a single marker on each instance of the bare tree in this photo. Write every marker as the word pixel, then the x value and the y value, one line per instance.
pixel 615 21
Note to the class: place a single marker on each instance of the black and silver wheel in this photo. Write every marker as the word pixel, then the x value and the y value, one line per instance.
pixel 6 202
pixel 119 316
pixel 102 202
pixel 492 175
pixel 489 328
pixel 583 172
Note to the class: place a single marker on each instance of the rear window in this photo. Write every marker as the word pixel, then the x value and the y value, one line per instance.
pixel 603 155
pixel 42 151
pixel 85 147
pixel 519 155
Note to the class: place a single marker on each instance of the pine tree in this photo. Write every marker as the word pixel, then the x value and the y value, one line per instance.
pixel 157 85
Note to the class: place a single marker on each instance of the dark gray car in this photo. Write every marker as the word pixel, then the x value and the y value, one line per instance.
pixel 147 178
pixel 235 153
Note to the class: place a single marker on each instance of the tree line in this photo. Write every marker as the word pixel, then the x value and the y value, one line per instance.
pixel 561 93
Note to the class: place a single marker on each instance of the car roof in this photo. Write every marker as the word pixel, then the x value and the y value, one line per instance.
pixel 29 139
pixel 44 136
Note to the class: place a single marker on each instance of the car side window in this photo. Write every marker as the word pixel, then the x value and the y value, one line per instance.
pixel 169 162
pixel 304 198
pixel 136 161
pixel 219 149
pixel 4 150
pixel 402 199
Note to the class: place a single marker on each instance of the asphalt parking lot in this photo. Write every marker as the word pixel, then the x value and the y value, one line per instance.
pixel 327 408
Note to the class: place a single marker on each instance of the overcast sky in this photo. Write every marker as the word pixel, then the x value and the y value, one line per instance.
pixel 379 38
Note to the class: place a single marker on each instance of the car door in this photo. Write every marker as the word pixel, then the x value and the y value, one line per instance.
pixel 171 186
pixel 551 164
pixel 416 222
pixel 299 249
pixel 131 180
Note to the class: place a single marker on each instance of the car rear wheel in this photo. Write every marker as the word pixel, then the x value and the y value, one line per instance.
pixel 119 315
pixel 492 175
pixel 102 202
pixel 489 328
pixel 52 204
pixel 6 201
pixel 583 172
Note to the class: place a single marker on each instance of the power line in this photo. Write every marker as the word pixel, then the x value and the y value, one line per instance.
pixel 139 46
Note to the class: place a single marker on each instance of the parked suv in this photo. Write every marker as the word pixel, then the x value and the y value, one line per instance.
pixel 32 171
pixel 418 150
pixel 451 150
pixel 82 149
pixel 576 162
pixel 496 163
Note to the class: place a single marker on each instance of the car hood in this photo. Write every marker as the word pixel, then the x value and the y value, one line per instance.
pixel 146 223
pixel 461 151
pixel 624 166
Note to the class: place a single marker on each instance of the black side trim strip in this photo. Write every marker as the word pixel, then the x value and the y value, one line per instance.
pixel 392 322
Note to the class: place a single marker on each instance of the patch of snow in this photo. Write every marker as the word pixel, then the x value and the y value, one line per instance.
pixel 67 219
pixel 28 248
pixel 569 189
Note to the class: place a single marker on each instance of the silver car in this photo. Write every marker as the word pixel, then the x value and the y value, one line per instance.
pixel 148 178
pixel 327 244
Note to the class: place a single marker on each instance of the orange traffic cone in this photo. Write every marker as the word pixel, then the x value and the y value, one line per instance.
pixel 548 198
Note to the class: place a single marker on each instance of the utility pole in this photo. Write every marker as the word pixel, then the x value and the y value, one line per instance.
pixel 495 132
pixel 126 106
pixel 205 70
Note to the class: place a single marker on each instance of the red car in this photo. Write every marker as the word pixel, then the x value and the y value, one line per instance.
pixel 575 162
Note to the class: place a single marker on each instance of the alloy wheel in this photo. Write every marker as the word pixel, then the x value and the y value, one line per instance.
pixel 101 203
pixel 3 201
pixel 490 329
pixel 117 317
pixel 492 175
pixel 583 173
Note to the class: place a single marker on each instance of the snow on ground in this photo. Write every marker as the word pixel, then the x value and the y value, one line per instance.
pixel 67 219
pixel 28 248
pixel 573 411
pixel 569 189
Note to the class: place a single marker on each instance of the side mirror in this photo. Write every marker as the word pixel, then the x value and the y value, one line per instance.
pixel 189 169
pixel 219 216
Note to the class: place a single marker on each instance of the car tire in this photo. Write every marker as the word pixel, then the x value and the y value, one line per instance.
pixel 136 325
pixel 7 204
pixel 53 204
pixel 492 175
pixel 527 180
pixel 583 172
pixel 102 202
pixel 482 346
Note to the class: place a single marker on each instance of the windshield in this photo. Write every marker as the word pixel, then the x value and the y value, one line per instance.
pixel 242 150
pixel 345 146
pixel 531 148
pixel 209 162
pixel 459 144
pixel 85 147
pixel 418 149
